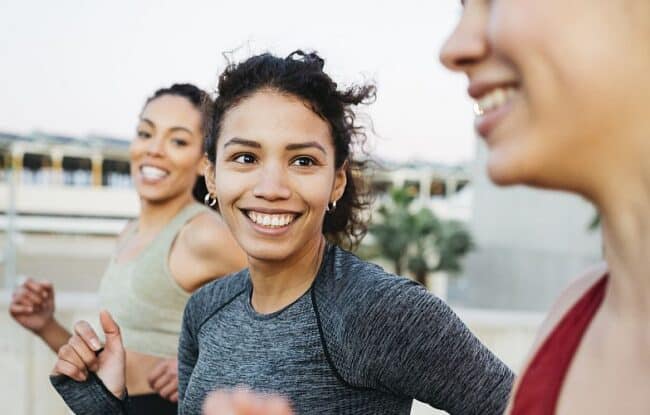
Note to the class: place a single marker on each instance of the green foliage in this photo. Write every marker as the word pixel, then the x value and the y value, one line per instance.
pixel 418 241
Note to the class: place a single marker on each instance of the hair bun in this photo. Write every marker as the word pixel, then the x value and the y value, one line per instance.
pixel 310 58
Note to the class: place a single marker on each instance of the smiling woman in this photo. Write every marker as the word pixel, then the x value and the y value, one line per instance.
pixel 307 320
pixel 172 248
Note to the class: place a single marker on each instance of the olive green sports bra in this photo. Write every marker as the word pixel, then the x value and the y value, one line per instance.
pixel 143 296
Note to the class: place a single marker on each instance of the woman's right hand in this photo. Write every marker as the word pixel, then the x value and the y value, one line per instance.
pixel 32 305
pixel 83 353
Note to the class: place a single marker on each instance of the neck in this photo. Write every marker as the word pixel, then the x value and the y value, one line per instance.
pixel 277 284
pixel 155 215
pixel 625 217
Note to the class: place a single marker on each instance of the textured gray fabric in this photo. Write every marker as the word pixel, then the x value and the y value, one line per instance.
pixel 90 397
pixel 360 341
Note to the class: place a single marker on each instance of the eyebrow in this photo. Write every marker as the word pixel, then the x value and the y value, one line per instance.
pixel 294 146
pixel 173 129
pixel 243 142
pixel 310 144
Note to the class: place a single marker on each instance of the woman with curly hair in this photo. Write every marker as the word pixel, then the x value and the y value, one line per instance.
pixel 307 319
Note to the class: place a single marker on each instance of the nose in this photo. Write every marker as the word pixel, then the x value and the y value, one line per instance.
pixel 155 146
pixel 273 183
pixel 467 45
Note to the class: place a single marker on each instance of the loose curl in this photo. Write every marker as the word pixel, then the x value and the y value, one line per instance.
pixel 301 75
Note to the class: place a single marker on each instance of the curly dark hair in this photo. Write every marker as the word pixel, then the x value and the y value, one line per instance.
pixel 199 99
pixel 301 74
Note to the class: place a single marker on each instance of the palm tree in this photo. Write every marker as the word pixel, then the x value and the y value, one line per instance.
pixel 418 241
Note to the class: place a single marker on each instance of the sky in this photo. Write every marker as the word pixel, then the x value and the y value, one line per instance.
pixel 82 68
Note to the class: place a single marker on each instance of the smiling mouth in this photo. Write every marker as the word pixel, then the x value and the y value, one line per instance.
pixel 152 172
pixel 493 100
pixel 271 220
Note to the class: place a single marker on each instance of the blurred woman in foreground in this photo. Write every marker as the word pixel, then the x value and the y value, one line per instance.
pixel 562 92
pixel 172 248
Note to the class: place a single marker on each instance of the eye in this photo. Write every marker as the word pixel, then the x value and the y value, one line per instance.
pixel 303 161
pixel 244 159
pixel 143 134
pixel 179 142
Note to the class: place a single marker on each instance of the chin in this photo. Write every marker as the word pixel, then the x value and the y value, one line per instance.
pixel 502 173
pixel 266 251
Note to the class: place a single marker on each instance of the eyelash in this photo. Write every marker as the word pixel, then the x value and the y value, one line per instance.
pixel 179 142
pixel 311 161
pixel 143 134
pixel 238 158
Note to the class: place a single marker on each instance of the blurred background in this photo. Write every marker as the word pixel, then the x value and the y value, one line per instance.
pixel 74 77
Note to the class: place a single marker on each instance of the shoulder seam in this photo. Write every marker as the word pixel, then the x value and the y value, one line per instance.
pixel 205 320
pixel 326 351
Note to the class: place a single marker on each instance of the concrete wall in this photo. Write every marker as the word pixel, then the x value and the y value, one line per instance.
pixel 530 243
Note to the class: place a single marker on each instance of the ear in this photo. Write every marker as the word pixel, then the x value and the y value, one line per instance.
pixel 202 165
pixel 340 181
pixel 210 178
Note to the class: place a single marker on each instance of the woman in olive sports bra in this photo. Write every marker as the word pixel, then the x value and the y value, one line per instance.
pixel 156 264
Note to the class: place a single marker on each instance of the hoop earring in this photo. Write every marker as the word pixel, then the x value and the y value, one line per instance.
pixel 330 207
pixel 207 201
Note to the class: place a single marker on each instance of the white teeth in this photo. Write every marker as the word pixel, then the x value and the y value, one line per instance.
pixel 493 100
pixel 271 221
pixel 153 173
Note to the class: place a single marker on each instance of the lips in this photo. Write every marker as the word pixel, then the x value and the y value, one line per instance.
pixel 153 173
pixel 493 101
pixel 271 219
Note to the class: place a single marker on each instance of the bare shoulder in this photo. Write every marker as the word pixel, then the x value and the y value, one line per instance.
pixel 208 244
pixel 204 233
pixel 567 299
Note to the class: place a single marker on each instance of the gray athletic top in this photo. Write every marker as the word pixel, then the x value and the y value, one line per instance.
pixel 359 341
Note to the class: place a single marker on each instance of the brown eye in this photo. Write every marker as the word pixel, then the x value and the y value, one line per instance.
pixel 304 162
pixel 143 135
pixel 244 159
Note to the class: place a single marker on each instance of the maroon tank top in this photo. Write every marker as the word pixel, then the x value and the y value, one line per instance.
pixel 541 383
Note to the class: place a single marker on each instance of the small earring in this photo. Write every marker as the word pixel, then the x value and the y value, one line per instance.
pixel 330 207
pixel 209 202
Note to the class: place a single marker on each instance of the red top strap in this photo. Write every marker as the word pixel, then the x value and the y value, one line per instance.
pixel 540 385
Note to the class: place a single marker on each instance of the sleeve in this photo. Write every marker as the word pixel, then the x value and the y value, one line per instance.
pixel 188 349
pixel 405 341
pixel 89 397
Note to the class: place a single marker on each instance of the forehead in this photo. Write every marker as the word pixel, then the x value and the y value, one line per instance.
pixel 172 111
pixel 270 117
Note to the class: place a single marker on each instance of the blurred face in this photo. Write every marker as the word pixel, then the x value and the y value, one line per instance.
pixel 274 175
pixel 167 151
pixel 556 83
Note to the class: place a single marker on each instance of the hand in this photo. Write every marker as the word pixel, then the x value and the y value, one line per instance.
pixel 245 402
pixel 164 379
pixel 78 356
pixel 32 305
